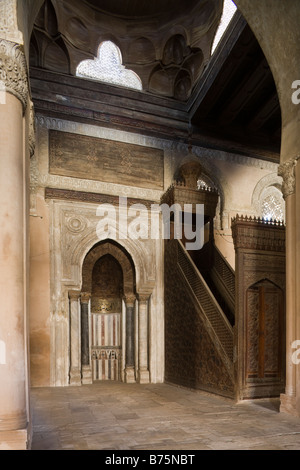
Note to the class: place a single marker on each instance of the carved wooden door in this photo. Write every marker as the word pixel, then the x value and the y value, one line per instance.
pixel 264 332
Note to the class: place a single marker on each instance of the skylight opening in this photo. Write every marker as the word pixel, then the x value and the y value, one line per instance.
pixel 107 67
pixel 229 10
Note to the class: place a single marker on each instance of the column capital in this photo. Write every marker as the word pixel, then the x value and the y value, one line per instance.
pixel 85 297
pixel 129 300
pixel 13 71
pixel 287 171
pixel 74 294
pixel 143 297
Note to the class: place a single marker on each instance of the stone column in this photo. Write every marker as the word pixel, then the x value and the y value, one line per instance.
pixel 143 366
pixel 14 413
pixel 287 171
pixel 75 339
pixel 296 345
pixel 130 343
pixel 86 369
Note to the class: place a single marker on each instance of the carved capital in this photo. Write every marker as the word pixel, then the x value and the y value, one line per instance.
pixel 287 171
pixel 143 297
pixel 129 300
pixel 74 294
pixel 85 297
pixel 13 70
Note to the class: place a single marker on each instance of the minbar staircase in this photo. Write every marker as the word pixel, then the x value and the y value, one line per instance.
pixel 219 276
pixel 207 302
pixel 212 327
pixel 225 332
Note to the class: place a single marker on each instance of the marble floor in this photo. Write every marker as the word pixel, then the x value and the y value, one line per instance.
pixel 117 416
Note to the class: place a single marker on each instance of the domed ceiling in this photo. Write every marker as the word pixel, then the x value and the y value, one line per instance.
pixel 166 42
pixel 142 8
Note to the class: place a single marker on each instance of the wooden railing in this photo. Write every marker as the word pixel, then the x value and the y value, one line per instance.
pixel 211 310
pixel 224 277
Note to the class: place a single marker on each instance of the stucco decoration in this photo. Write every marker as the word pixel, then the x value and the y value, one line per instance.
pixel 270 186
pixel 13 70
pixel 73 235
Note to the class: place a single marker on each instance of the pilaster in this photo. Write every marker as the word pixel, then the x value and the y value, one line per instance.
pixel 290 400
pixel 130 340
pixel 86 369
pixel 143 351
pixel 75 333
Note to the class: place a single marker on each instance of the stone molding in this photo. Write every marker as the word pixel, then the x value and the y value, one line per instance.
pixel 85 297
pixel 130 300
pixel 168 145
pixel 143 298
pixel 74 294
pixel 13 71
pixel 287 171
pixel 83 196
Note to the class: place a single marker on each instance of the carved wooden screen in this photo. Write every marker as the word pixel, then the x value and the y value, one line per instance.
pixel 264 332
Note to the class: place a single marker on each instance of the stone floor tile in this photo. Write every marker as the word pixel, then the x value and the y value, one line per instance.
pixel 117 416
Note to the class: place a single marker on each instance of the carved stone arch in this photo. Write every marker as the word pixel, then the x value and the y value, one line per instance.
pixel 136 249
pixel 111 248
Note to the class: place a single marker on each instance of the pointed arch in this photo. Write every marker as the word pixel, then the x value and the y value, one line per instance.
pixel 109 247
